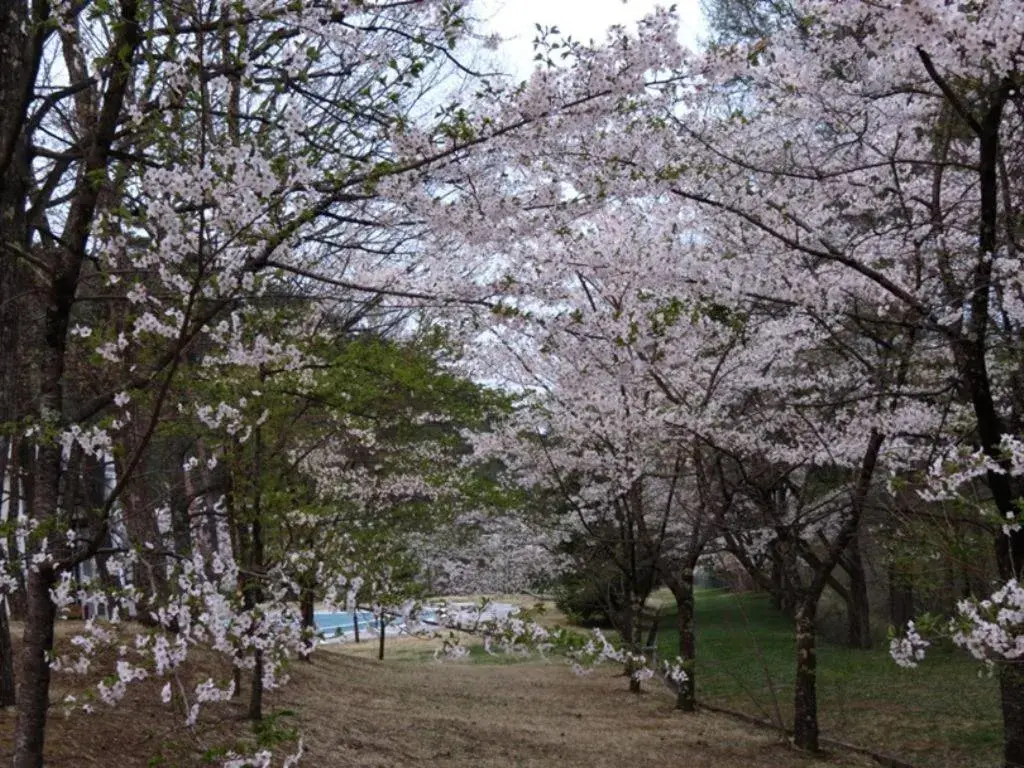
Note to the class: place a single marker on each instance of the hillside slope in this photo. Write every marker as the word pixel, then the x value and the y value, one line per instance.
pixel 358 712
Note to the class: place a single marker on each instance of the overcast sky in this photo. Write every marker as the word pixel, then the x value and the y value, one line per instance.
pixel 583 19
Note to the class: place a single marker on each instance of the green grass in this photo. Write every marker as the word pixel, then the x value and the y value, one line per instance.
pixel 940 714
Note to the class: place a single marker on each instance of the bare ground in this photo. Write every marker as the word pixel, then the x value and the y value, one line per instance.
pixel 526 714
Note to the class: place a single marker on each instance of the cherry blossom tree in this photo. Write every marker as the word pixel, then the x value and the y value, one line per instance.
pixel 809 168
pixel 163 161
pixel 758 275
pixel 911 215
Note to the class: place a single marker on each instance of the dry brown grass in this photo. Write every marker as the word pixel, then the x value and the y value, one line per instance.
pixel 527 714
pixel 140 731
pixel 358 712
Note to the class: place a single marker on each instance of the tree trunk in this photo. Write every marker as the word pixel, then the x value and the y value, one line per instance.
pixel 33 693
pixel 629 630
pixel 1011 675
pixel 970 350
pixel 805 701
pixel 7 692
pixel 16 397
pixel 635 686
pixel 355 622
pixel 1011 696
pixel 682 590
pixel 209 522
pixel 15 170
pixel 307 605
pixel 34 674
pixel 8 513
pixel 780 588
pixel 777 580
pixel 967 585
pixel 858 609
pixel 20 501
pixel 380 650
pixel 901 600
pixel 5 495
pixel 253 596
pixel 181 525
pixel 254 591
pixel 256 694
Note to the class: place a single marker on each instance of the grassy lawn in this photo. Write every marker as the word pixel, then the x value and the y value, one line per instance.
pixel 940 714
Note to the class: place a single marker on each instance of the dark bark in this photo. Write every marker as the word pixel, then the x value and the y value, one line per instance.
pixel 5 498
pixel 307 605
pixel 257 563
pixel 179 500
pixel 634 684
pixel 238 543
pixel 210 520
pixel 256 694
pixel 777 580
pixel 21 497
pixel 858 608
pixel 682 590
pixel 253 596
pixel 971 349
pixel 1011 697
pixel 628 630
pixel 901 599
pixel 33 690
pixel 21 43
pixel 805 701
pixel 7 691
pixel 21 47
pixel 380 649
pixel 47 324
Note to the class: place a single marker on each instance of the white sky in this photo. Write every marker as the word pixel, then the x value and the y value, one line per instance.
pixel 583 19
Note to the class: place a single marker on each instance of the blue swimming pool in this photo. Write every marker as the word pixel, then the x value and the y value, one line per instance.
pixel 332 624
pixel 343 623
